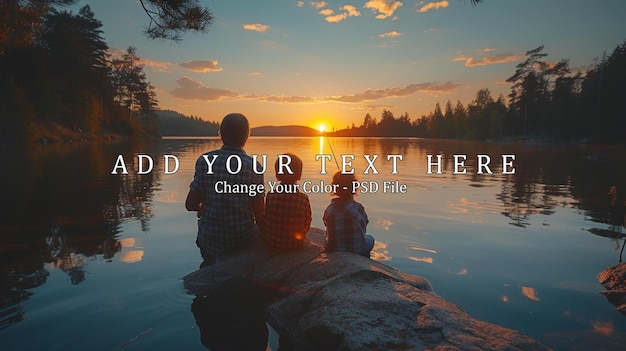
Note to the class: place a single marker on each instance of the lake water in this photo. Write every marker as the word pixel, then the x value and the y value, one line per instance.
pixel 90 260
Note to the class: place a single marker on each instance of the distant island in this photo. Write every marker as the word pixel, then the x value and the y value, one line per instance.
pixel 173 123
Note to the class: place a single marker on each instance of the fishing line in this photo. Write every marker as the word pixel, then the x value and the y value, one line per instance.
pixel 333 152
pixel 622 251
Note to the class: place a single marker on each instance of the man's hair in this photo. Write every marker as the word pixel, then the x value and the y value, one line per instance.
pixel 234 130
pixel 296 167
pixel 344 185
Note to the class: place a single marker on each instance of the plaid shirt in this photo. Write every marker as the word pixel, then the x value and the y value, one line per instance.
pixel 286 221
pixel 227 220
pixel 346 223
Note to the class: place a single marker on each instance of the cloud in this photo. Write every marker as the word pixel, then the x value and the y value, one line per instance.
pixel 284 99
pixel 300 3
pixel 433 6
pixel 203 66
pixel 257 27
pixel 336 18
pixel 331 17
pixel 391 34
pixel 384 8
pixel 487 60
pixel 351 10
pixel 193 90
pixel 376 94
pixel 255 74
pixel 373 107
pixel 581 69
pixel 156 66
pixel 117 52
pixel 318 4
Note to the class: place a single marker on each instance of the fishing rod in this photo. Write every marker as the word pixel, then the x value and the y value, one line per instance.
pixel 331 149
pixel 333 152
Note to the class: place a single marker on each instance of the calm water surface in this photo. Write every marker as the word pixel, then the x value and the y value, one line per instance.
pixel 90 260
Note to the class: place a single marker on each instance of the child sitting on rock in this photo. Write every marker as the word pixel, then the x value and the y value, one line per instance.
pixel 346 220
pixel 288 212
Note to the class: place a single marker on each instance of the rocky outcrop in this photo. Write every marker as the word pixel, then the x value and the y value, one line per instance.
pixel 614 280
pixel 342 301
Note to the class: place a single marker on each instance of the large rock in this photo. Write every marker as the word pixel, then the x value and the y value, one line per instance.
pixel 614 280
pixel 343 301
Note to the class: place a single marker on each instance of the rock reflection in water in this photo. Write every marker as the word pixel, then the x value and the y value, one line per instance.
pixel 232 318
pixel 614 280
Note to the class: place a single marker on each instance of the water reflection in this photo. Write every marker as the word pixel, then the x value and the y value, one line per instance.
pixel 15 288
pixel 530 293
pixel 548 177
pixel 421 259
pixel 65 209
pixel 132 256
pixel 463 271
pixel 384 224
pixel 232 318
pixel 605 328
pixel 380 252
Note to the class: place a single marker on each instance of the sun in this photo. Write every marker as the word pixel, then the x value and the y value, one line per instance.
pixel 321 128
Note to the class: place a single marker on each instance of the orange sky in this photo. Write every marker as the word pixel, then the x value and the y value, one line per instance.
pixel 331 62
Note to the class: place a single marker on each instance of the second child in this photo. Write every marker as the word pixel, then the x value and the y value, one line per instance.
pixel 287 214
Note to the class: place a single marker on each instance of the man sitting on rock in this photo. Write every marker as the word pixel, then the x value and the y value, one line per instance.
pixel 227 219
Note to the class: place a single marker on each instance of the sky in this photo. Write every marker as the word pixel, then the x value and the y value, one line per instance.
pixel 314 63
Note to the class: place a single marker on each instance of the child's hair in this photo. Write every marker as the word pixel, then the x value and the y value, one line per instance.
pixel 234 130
pixel 296 167
pixel 343 187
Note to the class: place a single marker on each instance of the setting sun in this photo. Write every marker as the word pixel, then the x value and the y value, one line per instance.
pixel 321 128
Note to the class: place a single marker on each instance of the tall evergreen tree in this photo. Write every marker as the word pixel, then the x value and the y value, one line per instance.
pixel 77 56
pixel 133 91
pixel 528 92
pixel 459 117
pixel 564 110
pixel 602 94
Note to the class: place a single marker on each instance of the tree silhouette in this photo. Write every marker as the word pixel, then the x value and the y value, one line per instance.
pixel 169 19
pixel 528 92
pixel 134 92
pixel 60 83
pixel 20 19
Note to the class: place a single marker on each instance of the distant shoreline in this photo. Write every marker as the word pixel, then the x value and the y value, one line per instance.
pixel 56 133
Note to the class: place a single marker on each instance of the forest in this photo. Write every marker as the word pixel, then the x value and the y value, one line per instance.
pixel 60 81
pixel 172 123
pixel 65 80
pixel 547 101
